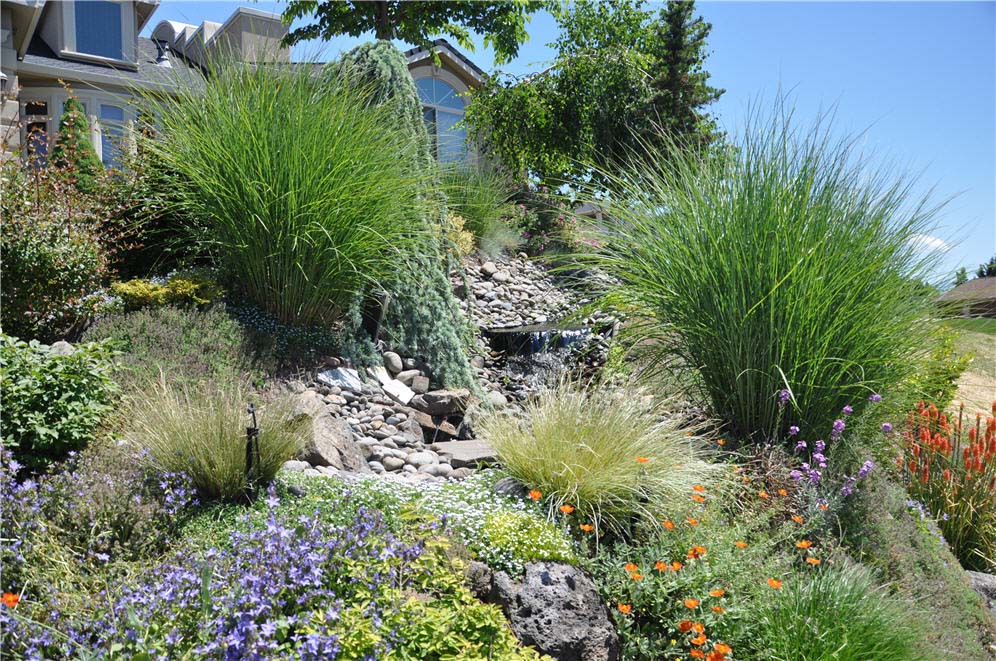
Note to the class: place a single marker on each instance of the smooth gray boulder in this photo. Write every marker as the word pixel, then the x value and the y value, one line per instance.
pixel 556 609
pixel 984 584
pixel 331 442
pixel 393 362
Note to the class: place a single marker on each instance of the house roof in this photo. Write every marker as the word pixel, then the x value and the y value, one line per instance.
pixel 40 59
pixel 445 49
pixel 977 289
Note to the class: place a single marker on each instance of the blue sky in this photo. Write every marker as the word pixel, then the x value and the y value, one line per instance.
pixel 917 78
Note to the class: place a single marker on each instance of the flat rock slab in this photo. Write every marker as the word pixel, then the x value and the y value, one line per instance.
pixel 343 377
pixel 398 391
pixel 469 454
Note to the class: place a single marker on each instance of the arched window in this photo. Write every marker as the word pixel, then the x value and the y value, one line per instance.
pixel 442 109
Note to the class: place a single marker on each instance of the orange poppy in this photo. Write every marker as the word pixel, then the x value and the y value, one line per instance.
pixel 692 603
pixel 10 599
pixel 566 509
pixel 668 524
pixel 718 592
pixel 696 552
pixel 698 627
pixel 783 492
pixel 698 654
pixel 798 519
pixel 630 567
pixel 723 648
pixel 745 479
pixel 685 626
pixel 660 565
pixel 715 656
pixel 762 494
pixel 813 561
pixel 740 545
pixel 692 521
pixel 636 577
pixel 775 583
pixel 697 498
pixel 625 609
pixel 675 566
pixel 700 639
pixel 718 609
pixel 642 460
pixel 535 494
pixel 587 527
pixel 803 544
pixel 823 506
pixel 698 487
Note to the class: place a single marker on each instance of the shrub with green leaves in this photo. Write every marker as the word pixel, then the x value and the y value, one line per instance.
pixel 184 345
pixel 52 403
pixel 202 432
pixel 603 452
pixel 305 187
pixel 836 614
pixel 785 262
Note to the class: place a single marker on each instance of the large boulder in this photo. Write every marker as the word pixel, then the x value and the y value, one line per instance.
pixel 985 584
pixel 556 609
pixel 331 442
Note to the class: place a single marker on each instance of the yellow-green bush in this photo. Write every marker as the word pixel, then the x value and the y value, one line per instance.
pixel 182 289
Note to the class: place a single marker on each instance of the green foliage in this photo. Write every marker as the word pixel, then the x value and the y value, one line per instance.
pixel 183 345
pixel 883 534
pixel 528 537
pixel 180 289
pixel 502 24
pixel 622 75
pixel 424 319
pixel 961 277
pixel 603 452
pixel 987 270
pixel 784 265
pixel 202 432
pixel 481 195
pixel 52 403
pixel 836 614
pixel 73 153
pixel 332 215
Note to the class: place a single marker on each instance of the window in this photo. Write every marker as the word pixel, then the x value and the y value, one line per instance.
pixel 442 110
pixel 111 135
pixel 36 135
pixel 98 28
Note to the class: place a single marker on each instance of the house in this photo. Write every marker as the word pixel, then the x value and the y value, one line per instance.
pixel 975 298
pixel 94 47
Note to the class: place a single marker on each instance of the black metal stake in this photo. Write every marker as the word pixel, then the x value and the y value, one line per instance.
pixel 252 445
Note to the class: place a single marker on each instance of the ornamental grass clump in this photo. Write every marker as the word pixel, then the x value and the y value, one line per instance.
pixel 201 432
pixel 785 262
pixel 604 454
pixel 305 189
pixel 950 467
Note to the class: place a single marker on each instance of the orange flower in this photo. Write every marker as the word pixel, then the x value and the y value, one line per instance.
pixel 642 460
pixel 697 498
pixel 813 561
pixel 718 609
pixel 587 527
pixel 535 494
pixel 697 654
pixel 692 603
pixel 685 626
pixel 668 524
pixel 696 552
pixel 636 577
pixel 803 544
pixel 740 545
pixel 775 583
pixel 718 592
pixel 10 599
pixel 762 494
pixel 798 519
pixel 631 567
pixel 566 509
pixel 715 656
pixel 660 565
pixel 692 521
pixel 675 566
pixel 720 442
pixel 698 487
pixel 823 506
pixel 783 492
pixel 700 639
pixel 625 609
pixel 723 648
pixel 698 627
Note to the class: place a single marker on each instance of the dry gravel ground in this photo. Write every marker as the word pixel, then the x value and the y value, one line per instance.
pixel 977 386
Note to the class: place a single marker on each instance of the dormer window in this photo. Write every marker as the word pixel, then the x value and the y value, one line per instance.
pixel 442 110
pixel 99 29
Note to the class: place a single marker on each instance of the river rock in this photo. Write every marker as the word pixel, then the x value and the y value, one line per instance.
pixel 420 384
pixel 556 609
pixel 984 584
pixel 419 459
pixel 407 376
pixel 488 269
pixel 393 463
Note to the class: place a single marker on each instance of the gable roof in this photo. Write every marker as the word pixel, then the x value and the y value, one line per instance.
pixel 977 289
pixel 447 52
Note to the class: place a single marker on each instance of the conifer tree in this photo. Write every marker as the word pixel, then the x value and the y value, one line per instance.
pixel 73 151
